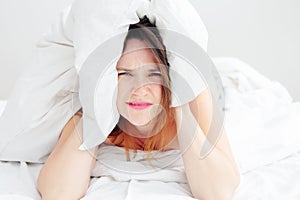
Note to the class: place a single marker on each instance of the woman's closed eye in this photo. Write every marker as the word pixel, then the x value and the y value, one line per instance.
pixel 155 74
pixel 129 74
pixel 124 73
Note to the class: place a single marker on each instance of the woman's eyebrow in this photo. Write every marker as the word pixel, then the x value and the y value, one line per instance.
pixel 150 70
pixel 124 69
pixel 153 70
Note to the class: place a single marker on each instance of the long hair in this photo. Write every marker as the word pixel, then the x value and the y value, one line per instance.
pixel 147 32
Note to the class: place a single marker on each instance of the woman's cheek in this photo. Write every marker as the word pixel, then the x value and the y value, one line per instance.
pixel 157 91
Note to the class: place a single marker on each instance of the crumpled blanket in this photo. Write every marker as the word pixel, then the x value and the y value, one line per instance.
pixel 117 178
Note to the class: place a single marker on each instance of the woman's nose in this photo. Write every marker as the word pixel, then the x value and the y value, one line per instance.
pixel 141 87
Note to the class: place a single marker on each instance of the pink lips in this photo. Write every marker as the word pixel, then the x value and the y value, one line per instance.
pixel 139 105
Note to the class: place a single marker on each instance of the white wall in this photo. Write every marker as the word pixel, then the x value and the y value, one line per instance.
pixel 264 33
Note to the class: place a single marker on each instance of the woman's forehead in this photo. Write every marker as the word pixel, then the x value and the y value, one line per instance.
pixel 137 53
pixel 135 44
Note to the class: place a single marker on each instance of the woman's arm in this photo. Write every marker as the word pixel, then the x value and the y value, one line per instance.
pixel 216 176
pixel 66 173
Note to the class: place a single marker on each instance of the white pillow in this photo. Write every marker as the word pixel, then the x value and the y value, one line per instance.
pixel 99 44
pixel 43 100
pixel 46 95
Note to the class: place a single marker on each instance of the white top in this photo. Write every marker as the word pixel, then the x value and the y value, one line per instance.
pixel 111 161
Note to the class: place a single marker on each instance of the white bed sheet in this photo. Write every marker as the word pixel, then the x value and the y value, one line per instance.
pixel 277 181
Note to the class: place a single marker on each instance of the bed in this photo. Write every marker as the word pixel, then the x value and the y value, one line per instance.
pixel 262 123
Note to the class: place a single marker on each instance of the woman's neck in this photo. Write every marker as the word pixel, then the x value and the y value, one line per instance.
pixel 141 132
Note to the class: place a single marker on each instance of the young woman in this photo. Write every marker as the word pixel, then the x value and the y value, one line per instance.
pixel 146 123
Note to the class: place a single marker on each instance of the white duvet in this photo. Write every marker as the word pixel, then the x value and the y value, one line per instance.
pixel 262 123
pixel 277 181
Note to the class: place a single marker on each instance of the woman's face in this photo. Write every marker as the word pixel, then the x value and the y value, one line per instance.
pixel 139 84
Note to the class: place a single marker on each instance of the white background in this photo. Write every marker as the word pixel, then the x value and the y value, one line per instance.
pixel 263 33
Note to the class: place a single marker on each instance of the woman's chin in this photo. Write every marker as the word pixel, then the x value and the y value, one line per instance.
pixel 139 119
pixel 139 122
